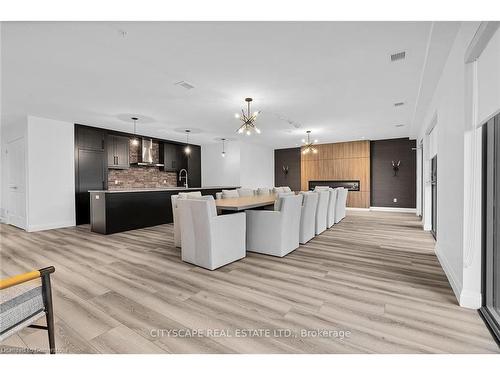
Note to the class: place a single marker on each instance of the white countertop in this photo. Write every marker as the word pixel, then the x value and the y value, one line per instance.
pixel 163 189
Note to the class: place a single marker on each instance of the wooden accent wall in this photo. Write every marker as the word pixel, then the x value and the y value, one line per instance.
pixel 340 161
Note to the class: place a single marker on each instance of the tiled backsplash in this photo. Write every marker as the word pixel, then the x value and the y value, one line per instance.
pixel 141 177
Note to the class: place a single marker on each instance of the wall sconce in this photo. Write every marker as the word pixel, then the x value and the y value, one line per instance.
pixel 395 167
pixel 285 169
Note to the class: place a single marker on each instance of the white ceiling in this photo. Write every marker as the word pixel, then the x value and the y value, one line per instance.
pixel 334 78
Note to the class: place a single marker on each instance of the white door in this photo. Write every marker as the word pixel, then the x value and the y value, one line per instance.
pixel 16 183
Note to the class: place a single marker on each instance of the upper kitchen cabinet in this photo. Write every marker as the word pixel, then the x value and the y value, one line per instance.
pixel 118 152
pixel 194 166
pixel 169 157
pixel 172 157
pixel 90 138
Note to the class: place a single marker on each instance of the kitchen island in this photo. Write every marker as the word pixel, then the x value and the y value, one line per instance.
pixel 113 211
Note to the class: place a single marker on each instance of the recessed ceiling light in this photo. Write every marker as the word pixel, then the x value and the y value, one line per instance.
pixel 399 125
pixel 398 56
pixel 185 85
pixel 399 104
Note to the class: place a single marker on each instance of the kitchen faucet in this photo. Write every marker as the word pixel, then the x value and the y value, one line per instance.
pixel 185 177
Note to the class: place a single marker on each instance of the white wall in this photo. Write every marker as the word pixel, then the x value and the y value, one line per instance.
pixel 51 174
pixel 217 170
pixel 246 164
pixel 256 165
pixel 451 105
pixel 488 77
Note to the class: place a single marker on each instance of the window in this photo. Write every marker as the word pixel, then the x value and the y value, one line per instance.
pixel 491 265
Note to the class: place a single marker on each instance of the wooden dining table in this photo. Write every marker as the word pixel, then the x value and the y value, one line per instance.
pixel 245 203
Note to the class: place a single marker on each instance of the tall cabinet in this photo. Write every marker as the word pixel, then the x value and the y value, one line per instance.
pixel 194 167
pixel 91 171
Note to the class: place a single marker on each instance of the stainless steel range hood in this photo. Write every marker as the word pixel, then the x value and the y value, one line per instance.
pixel 146 155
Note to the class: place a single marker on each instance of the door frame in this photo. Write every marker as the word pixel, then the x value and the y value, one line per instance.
pixel 22 138
pixel 434 186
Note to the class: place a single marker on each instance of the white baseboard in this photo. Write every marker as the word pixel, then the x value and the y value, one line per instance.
pixel 357 209
pixel 40 227
pixel 456 285
pixel 471 300
pixel 394 209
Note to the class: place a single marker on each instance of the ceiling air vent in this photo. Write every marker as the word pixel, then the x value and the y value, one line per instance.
pixel 399 125
pixel 399 104
pixel 185 85
pixel 398 56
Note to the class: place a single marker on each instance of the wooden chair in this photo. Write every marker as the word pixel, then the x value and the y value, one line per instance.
pixel 24 299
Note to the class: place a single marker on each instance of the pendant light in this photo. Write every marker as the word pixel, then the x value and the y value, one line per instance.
pixel 308 145
pixel 187 149
pixel 248 119
pixel 223 154
pixel 135 140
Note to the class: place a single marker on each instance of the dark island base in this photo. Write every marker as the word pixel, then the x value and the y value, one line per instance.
pixel 114 212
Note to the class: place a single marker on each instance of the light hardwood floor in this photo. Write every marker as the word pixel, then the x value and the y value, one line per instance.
pixel 373 274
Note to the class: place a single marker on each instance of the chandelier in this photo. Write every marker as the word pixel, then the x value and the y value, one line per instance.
pixel 248 120
pixel 308 145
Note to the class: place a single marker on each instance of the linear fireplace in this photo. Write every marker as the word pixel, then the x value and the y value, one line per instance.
pixel 351 185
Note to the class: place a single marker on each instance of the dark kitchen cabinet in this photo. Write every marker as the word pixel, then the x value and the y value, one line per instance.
pixel 171 156
pixel 118 152
pixel 194 167
pixel 174 159
pixel 90 138
pixel 121 211
pixel 90 168
pixel 182 158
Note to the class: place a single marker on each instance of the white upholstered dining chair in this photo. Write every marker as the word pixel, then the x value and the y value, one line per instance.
pixel 332 203
pixel 282 189
pixel 263 191
pixel 275 232
pixel 208 240
pixel 245 192
pixel 308 216
pixel 340 204
pixel 322 210
pixel 175 214
pixel 332 200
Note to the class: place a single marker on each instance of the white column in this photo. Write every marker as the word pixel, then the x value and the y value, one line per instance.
pixel 472 228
